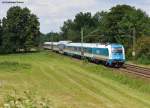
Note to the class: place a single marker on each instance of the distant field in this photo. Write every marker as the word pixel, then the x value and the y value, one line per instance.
pixel 70 83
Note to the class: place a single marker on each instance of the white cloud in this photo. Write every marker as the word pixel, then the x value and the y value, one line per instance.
pixel 52 13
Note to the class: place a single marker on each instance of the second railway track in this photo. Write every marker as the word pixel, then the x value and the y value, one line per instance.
pixel 137 70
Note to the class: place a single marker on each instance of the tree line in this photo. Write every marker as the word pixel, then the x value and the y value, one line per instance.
pixel 19 31
pixel 118 25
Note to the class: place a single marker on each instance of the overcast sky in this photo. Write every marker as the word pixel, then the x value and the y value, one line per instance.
pixel 52 13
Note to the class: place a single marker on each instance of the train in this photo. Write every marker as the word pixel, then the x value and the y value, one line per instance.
pixel 112 55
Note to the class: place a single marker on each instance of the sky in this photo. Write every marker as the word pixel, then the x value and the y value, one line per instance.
pixel 52 13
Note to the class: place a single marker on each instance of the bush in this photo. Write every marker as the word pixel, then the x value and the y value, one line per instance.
pixel 144 60
pixel 27 101
pixel 143 46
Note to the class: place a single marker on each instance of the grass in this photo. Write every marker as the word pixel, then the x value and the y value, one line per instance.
pixel 13 66
pixel 68 83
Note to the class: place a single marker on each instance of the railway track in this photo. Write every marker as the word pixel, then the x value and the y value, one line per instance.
pixel 137 70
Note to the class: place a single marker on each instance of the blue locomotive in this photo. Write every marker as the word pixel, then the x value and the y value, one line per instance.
pixel 111 54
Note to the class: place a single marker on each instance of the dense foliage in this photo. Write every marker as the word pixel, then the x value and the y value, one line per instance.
pixel 143 49
pixel 51 37
pixel 20 30
pixel 71 29
pixel 1 30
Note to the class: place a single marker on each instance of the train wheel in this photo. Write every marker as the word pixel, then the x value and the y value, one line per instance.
pixel 106 63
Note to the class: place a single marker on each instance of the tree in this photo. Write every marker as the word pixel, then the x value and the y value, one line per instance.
pixel 33 34
pixel 1 32
pixel 52 36
pixel 21 30
pixel 142 48
pixel 84 20
pixel 7 45
pixel 71 29
pixel 65 28
pixel 100 19
pixel 122 19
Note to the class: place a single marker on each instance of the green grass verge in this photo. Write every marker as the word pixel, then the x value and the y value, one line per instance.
pixel 68 83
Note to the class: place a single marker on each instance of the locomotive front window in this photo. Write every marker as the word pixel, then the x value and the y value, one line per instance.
pixel 117 50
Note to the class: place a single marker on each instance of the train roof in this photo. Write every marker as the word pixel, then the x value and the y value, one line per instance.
pixel 116 45
pixel 87 45
pixel 93 45
pixel 49 43
pixel 64 42
pixel 100 45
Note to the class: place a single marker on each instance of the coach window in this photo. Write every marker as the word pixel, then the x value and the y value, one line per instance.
pixel 98 51
pixel 79 49
pixel 85 49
